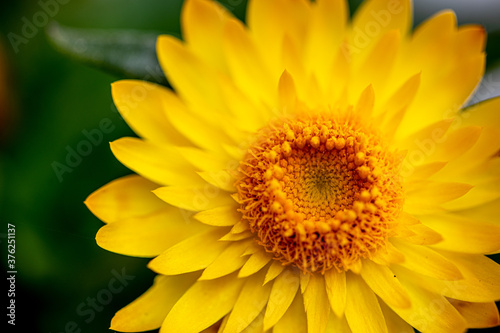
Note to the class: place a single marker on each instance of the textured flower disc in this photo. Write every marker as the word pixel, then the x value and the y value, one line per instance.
pixel 310 173
pixel 320 193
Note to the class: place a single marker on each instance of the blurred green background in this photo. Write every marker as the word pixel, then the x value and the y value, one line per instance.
pixel 47 103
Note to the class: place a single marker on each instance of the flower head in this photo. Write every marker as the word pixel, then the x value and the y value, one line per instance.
pixel 310 174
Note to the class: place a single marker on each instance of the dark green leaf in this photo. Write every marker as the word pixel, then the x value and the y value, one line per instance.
pixel 126 53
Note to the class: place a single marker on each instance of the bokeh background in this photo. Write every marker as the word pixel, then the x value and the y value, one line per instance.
pixel 48 102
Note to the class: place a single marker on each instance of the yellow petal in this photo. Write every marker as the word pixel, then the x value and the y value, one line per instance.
pixel 202 159
pixel 271 21
pixel 232 237
pixel 140 104
pixel 418 234
pixel 249 116
pixel 479 283
pixel 436 42
pixel 461 234
pixel 478 315
pixel 283 292
pixel 316 304
pixel 246 66
pixel 192 79
pixel 201 132
pixel 426 261
pixel 274 270
pixel 377 66
pixel 373 20
pixel 202 25
pixel 339 325
pixel 385 284
pixel 203 305
pixel 123 198
pixel 388 255
pixel 336 291
pixel 220 179
pixel 420 172
pixel 366 102
pixel 286 91
pixel 192 254
pixel 362 310
pixel 427 196
pixel 485 115
pixel 252 299
pixel 194 198
pixel 294 319
pixel 326 32
pixel 487 213
pixel 162 165
pixel 304 281
pixel 149 310
pixel 256 262
pixel 148 236
pixel 430 311
pixel 220 216
pixel 228 261
pixel 395 324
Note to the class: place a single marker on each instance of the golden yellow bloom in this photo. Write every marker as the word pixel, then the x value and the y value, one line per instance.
pixel 310 174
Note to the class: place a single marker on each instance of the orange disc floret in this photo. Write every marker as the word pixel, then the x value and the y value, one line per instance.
pixel 320 193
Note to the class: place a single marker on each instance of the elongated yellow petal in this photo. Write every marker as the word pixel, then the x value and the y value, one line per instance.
pixel 283 292
pixel 294 319
pixel 316 304
pixel 161 165
pixel 377 66
pixel 272 21
pixel 418 234
pixel 395 324
pixel 338 325
pixel 194 198
pixel 336 291
pixel 123 198
pixel 479 282
pixel 220 216
pixel 203 160
pixel 437 42
pixel 245 64
pixel 220 179
pixel 217 298
pixel 385 284
pixel 429 311
pixel 424 260
pixel 427 196
pixel 361 300
pixel 274 270
pixel 373 20
pixel 202 25
pixel 140 104
pixel 194 127
pixel 192 254
pixel 478 315
pixel 326 32
pixel 252 299
pixel 228 261
pixel 461 234
pixel 191 78
pixel 255 263
pixel 149 310
pixel 148 236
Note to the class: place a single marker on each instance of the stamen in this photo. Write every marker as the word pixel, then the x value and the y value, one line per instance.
pixel 318 193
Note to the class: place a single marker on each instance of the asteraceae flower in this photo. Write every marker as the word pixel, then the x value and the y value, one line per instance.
pixel 310 174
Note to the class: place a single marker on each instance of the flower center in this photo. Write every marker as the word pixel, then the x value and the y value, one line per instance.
pixel 320 193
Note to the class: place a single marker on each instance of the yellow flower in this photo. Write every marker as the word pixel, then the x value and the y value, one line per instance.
pixel 310 174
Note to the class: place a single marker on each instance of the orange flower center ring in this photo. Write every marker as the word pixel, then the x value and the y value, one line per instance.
pixel 320 193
